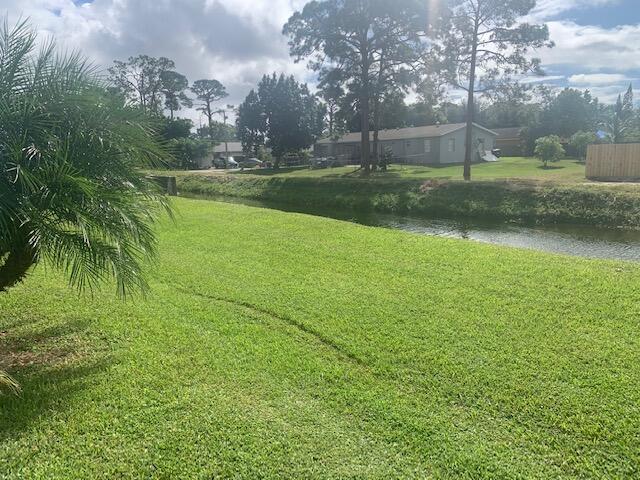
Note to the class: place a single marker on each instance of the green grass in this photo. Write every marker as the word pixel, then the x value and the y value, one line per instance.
pixel 278 345
pixel 519 202
pixel 568 170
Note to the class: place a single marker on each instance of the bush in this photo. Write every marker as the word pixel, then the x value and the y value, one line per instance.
pixel 580 141
pixel 549 149
pixel 187 151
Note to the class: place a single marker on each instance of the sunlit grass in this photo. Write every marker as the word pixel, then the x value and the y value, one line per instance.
pixel 278 345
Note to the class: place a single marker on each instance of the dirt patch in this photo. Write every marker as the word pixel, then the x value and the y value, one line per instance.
pixel 15 360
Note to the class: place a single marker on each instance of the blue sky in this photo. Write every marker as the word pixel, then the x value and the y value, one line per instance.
pixel 236 41
pixel 624 12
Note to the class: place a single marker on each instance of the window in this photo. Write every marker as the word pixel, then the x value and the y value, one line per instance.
pixel 452 145
pixel 427 146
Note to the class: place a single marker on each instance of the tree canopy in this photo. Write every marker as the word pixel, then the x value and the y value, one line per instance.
pixel 72 191
pixel 208 92
pixel 481 43
pixel 364 43
pixel 284 113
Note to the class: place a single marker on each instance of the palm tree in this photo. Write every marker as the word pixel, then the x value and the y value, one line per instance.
pixel 72 192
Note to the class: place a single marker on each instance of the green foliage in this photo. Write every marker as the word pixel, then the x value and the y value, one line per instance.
pixel 387 159
pixel 510 201
pixel 140 81
pixel 264 155
pixel 187 151
pixel 208 92
pixel 176 128
pixel 367 47
pixel 174 86
pixel 218 133
pixel 549 149
pixel 71 188
pixel 480 44
pixel 620 120
pixel 580 142
pixel 251 123
pixel 284 113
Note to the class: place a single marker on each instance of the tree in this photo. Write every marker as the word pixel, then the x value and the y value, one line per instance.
pixel 509 105
pixel 564 114
pixel 549 149
pixel 187 151
pixel 282 112
pixel 620 121
pixel 176 128
pixel 219 132
pixel 479 43
pixel 139 81
pixel 174 86
pixel 207 93
pixel 251 123
pixel 580 142
pixel 331 92
pixel 361 39
pixel 72 190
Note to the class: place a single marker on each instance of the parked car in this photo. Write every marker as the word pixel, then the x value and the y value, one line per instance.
pixel 222 162
pixel 251 163
pixel 497 152
pixel 323 162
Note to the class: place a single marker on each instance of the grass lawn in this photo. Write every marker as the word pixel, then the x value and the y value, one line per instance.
pixel 564 171
pixel 277 345
pixel 568 170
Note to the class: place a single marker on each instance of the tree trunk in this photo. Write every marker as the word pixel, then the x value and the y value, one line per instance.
pixel 468 147
pixel 365 161
pixel 16 265
pixel 376 132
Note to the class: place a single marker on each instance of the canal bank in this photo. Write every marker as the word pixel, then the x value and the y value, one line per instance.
pixel 517 202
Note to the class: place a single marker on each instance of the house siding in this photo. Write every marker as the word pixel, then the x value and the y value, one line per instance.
pixel 411 150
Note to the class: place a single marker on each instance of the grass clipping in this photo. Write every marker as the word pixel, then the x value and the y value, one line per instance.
pixel 8 383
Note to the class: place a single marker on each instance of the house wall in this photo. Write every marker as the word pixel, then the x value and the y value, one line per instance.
pixel 412 151
pixel 457 156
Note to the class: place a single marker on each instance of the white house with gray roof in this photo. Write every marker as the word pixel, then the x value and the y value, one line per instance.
pixel 429 145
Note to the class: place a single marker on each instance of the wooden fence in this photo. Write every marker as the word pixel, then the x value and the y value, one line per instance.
pixel 615 163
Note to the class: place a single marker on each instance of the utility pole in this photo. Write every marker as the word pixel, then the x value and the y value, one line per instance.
pixel 223 112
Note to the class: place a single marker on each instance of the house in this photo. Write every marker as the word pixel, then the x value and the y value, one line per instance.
pixel 509 141
pixel 429 145
pixel 234 149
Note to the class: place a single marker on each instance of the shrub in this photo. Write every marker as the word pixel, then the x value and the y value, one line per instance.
pixel 580 141
pixel 549 149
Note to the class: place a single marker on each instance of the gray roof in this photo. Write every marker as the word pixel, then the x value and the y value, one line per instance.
pixel 508 133
pixel 232 146
pixel 430 131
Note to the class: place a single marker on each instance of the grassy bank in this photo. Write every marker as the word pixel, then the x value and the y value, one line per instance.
pixel 278 345
pixel 567 170
pixel 526 202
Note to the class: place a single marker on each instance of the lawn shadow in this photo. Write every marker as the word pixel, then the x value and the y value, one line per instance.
pixel 550 167
pixel 51 363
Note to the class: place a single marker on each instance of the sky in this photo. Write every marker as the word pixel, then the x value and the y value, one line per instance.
pixel 237 41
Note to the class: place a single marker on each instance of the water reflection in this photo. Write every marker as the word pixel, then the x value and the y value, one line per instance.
pixel 578 240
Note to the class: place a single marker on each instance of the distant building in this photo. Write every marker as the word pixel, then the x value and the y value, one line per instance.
pixel 510 141
pixel 234 150
pixel 430 145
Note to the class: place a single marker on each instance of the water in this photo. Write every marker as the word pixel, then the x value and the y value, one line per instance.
pixel 577 240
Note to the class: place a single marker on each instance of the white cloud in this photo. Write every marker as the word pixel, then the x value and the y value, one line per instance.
pixel 234 41
pixel 547 9
pixel 593 48
pixel 598 79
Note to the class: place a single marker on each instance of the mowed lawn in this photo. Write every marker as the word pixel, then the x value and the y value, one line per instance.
pixel 566 171
pixel 276 345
